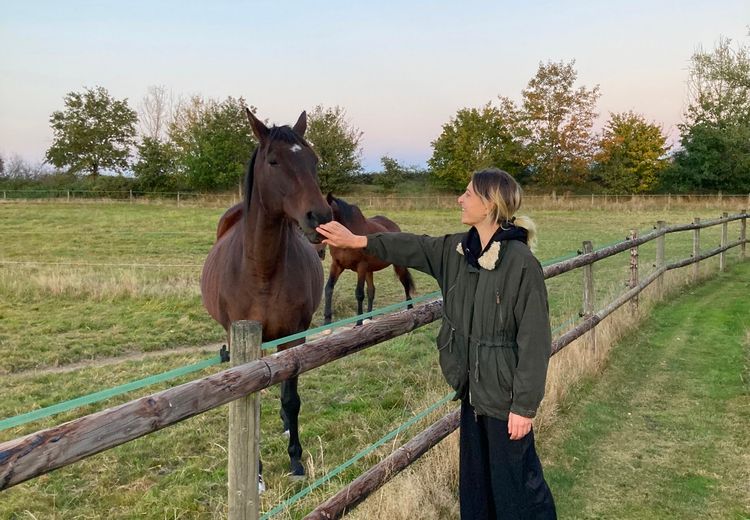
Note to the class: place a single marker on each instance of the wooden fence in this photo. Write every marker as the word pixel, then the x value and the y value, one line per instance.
pixel 38 453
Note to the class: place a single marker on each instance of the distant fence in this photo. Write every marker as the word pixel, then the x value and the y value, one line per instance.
pixel 551 200
pixel 38 453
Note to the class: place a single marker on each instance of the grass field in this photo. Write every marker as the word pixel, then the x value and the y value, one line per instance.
pixel 95 281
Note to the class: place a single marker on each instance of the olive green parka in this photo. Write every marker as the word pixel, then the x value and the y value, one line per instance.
pixel 495 342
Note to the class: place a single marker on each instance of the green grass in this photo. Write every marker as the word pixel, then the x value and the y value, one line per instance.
pixel 59 314
pixel 663 432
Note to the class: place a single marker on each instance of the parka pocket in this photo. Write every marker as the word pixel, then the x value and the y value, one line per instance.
pixel 498 305
pixel 492 385
pixel 451 354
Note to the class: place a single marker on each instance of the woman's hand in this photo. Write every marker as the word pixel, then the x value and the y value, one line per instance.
pixel 337 235
pixel 518 426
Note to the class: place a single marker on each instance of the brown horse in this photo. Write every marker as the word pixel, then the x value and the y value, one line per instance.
pixel 356 259
pixel 262 266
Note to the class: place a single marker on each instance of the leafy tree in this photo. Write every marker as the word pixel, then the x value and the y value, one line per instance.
pixel 93 133
pixel 156 168
pixel 393 173
pixel 559 119
pixel 715 138
pixel 2 166
pixel 632 154
pixel 337 144
pixel 213 142
pixel 475 139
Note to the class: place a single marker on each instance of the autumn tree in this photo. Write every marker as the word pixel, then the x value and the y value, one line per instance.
pixel 559 118
pixel 93 133
pixel 632 154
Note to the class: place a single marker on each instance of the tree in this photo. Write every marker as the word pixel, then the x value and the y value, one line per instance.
pixel 2 166
pixel 393 173
pixel 715 133
pixel 213 142
pixel 156 112
pixel 93 133
pixel 156 168
pixel 559 119
pixel 632 154
pixel 475 139
pixel 337 144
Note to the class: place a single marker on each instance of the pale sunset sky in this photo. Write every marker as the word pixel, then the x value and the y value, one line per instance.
pixel 400 69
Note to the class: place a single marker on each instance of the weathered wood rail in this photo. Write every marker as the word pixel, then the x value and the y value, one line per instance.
pixel 43 451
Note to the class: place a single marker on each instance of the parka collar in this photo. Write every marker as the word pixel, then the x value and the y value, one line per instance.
pixel 487 258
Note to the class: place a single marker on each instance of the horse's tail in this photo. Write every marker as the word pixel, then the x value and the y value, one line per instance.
pixel 404 275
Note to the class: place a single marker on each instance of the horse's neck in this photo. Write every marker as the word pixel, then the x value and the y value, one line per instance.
pixel 266 237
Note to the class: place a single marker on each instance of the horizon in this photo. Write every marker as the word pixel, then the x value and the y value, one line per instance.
pixel 399 71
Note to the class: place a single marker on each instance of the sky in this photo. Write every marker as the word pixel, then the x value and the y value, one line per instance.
pixel 400 69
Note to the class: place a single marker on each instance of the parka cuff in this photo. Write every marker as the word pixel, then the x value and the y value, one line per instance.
pixel 523 412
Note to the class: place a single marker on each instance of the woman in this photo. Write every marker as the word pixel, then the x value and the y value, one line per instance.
pixel 494 343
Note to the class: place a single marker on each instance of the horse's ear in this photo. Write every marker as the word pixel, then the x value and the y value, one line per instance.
pixel 300 127
pixel 259 129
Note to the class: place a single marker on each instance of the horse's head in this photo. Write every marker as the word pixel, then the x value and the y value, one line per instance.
pixel 347 214
pixel 283 170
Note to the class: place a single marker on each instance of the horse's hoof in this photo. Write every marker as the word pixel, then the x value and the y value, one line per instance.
pixel 261 484
pixel 326 332
pixel 364 322
pixel 286 434
pixel 298 470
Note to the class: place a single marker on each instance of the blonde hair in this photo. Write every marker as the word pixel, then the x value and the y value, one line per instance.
pixel 499 189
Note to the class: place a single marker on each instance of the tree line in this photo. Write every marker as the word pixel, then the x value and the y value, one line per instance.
pixel 547 140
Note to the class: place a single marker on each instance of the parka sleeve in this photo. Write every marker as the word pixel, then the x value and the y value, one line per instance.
pixel 421 252
pixel 534 340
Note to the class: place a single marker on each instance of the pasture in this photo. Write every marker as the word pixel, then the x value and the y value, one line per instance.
pixel 90 283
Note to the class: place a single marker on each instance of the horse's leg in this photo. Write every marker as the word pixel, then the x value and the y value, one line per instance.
pixel 369 278
pixel 290 403
pixel 333 277
pixel 406 281
pixel 359 291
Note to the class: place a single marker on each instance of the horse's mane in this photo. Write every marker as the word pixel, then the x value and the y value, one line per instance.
pixel 348 212
pixel 277 133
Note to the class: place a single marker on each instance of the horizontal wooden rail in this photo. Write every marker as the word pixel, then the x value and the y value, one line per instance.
pixel 593 320
pixel 361 487
pixel 589 258
pixel 41 452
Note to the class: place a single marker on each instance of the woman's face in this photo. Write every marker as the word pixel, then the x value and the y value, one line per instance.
pixel 473 208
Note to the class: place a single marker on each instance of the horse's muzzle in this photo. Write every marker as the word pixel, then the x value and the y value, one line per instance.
pixel 312 221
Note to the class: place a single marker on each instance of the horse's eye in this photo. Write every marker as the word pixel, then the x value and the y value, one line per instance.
pixel 272 162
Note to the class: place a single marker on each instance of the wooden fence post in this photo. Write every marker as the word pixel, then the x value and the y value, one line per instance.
pixel 178 199
pixel 723 254
pixel 696 248
pixel 743 234
pixel 660 259
pixel 68 195
pixel 244 428
pixel 634 269
pixel 588 291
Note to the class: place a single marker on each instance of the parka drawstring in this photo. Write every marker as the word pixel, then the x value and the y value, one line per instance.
pixel 449 344
pixel 476 363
